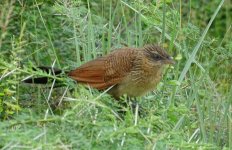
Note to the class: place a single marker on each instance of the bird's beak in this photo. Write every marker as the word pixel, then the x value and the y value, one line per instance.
pixel 169 61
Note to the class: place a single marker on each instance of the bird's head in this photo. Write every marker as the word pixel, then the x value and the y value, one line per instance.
pixel 157 55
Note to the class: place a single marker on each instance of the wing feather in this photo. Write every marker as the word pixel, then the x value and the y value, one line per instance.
pixel 106 71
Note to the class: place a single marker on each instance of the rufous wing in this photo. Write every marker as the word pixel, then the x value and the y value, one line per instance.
pixel 104 72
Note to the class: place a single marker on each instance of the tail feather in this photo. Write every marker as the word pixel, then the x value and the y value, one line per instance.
pixel 43 80
pixel 40 80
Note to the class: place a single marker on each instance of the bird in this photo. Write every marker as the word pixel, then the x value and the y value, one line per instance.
pixel 125 71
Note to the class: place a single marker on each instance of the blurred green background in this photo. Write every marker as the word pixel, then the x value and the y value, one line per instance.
pixel 187 111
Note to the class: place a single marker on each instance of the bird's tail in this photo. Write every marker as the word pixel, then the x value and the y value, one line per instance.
pixel 43 80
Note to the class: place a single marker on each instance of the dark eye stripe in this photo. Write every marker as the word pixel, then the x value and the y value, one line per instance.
pixel 157 57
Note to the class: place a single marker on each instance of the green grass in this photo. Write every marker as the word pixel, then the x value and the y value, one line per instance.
pixel 191 108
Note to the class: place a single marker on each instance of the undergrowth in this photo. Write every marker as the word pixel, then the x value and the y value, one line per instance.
pixel 190 109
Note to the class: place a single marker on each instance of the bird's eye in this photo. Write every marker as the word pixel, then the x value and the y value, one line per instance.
pixel 157 57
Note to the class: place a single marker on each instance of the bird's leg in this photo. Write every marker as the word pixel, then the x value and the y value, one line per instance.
pixel 130 104
pixel 125 105
pixel 134 105
pixel 124 102
pixel 136 108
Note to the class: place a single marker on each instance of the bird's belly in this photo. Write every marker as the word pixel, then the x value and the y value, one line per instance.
pixel 134 89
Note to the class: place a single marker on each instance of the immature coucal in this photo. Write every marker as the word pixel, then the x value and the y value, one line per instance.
pixel 131 71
